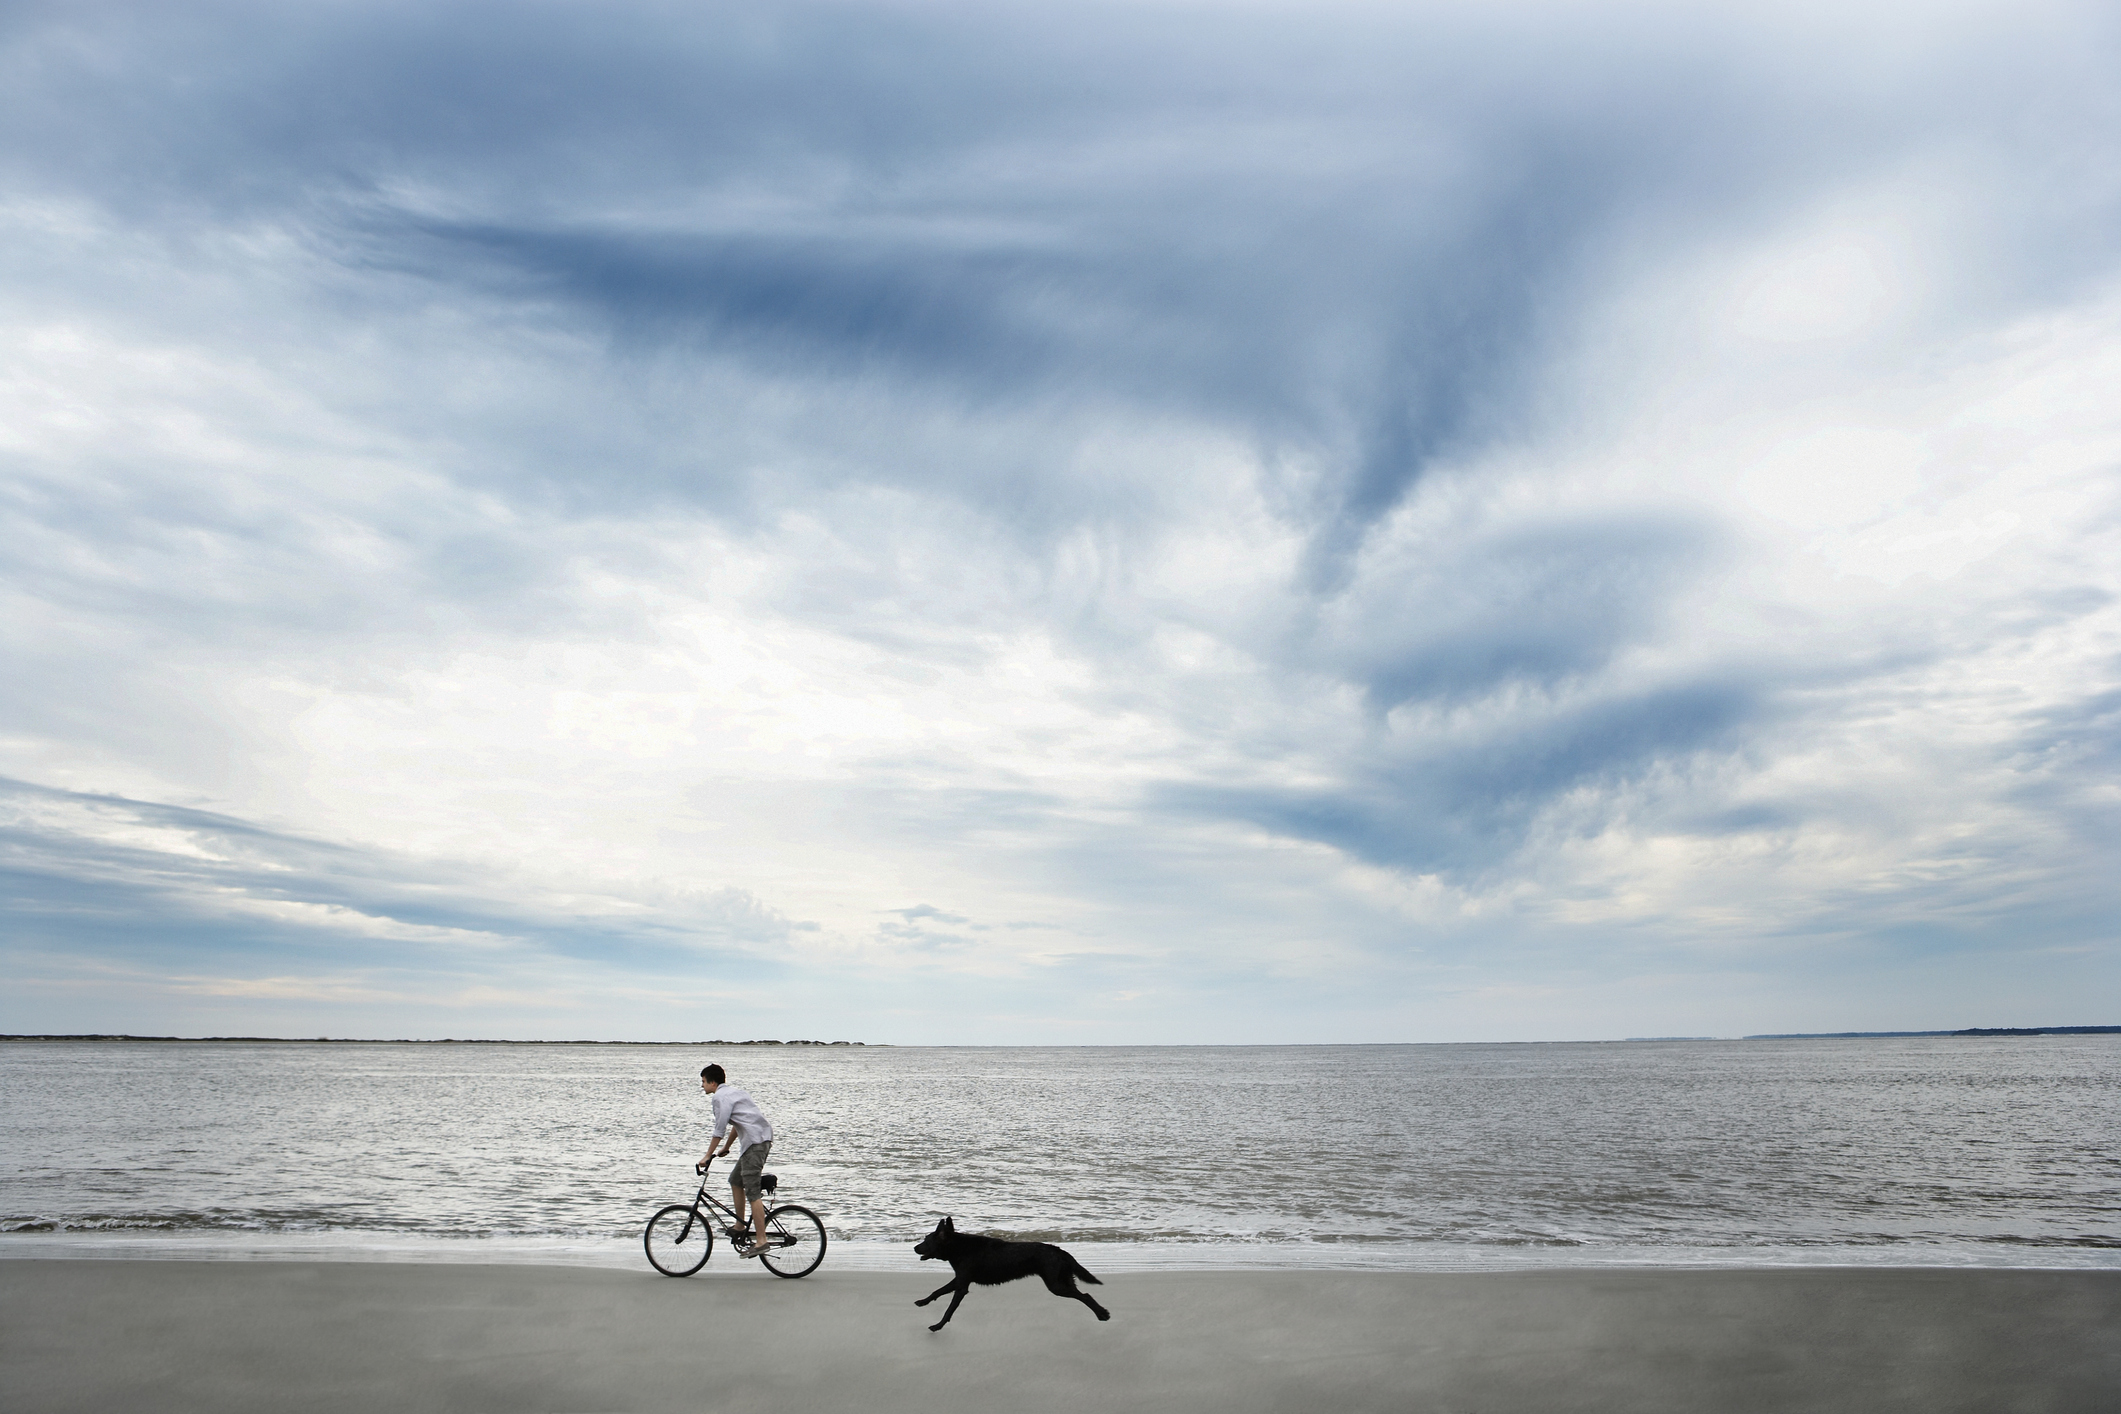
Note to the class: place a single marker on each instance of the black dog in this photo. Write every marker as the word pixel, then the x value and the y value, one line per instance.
pixel 990 1261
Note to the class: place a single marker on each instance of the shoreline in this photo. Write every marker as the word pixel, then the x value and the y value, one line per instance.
pixel 233 1338
pixel 623 1253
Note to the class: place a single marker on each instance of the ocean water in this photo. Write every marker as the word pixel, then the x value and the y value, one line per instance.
pixel 1921 1150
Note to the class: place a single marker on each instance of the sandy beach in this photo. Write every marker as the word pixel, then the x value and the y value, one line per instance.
pixel 242 1336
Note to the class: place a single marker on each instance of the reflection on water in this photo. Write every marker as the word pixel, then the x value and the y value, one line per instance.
pixel 1915 1149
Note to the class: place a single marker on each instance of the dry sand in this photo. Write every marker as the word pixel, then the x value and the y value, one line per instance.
pixel 232 1337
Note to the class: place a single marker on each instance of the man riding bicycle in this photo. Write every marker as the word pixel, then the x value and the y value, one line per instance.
pixel 737 1114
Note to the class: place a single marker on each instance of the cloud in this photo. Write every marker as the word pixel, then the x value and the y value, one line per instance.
pixel 137 869
pixel 606 504
pixel 922 911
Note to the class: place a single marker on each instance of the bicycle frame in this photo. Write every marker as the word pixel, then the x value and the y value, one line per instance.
pixel 700 1202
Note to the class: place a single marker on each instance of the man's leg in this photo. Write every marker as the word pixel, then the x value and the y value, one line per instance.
pixel 746 1177
pixel 758 1214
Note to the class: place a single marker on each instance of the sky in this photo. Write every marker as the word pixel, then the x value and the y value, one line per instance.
pixel 987 523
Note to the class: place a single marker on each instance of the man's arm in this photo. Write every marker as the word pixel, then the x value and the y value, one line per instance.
pixel 721 1125
pixel 714 1153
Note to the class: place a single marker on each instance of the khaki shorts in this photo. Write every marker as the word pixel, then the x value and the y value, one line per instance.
pixel 749 1165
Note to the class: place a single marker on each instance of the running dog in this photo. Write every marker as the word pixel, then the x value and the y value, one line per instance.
pixel 990 1261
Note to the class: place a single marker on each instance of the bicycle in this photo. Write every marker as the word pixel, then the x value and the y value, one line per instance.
pixel 680 1238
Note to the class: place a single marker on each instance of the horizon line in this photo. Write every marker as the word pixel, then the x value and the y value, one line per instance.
pixel 1073 1045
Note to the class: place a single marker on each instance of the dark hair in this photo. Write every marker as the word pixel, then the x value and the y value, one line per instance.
pixel 715 1073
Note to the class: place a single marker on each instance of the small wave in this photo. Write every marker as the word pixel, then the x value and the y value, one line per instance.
pixel 235 1225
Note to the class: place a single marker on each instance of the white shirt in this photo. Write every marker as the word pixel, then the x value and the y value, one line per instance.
pixel 735 1106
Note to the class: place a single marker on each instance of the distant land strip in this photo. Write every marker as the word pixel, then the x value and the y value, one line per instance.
pixel 1969 1031
pixel 408 1041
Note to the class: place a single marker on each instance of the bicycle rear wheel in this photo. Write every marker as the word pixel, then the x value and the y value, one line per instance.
pixel 798 1240
pixel 679 1240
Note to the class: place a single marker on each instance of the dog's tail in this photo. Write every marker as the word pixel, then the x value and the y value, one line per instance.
pixel 1081 1270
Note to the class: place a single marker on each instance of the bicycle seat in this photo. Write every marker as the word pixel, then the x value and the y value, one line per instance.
pixel 768 1182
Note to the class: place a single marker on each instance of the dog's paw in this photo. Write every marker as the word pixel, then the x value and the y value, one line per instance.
pixel 937 1326
pixel 1104 1315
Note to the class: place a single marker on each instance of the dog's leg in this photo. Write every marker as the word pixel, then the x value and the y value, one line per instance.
pixel 964 1285
pixel 1063 1284
pixel 937 1292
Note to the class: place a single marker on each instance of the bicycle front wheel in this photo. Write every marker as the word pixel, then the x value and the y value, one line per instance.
pixel 798 1240
pixel 679 1240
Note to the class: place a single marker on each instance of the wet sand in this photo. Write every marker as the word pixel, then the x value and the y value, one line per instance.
pixel 233 1337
